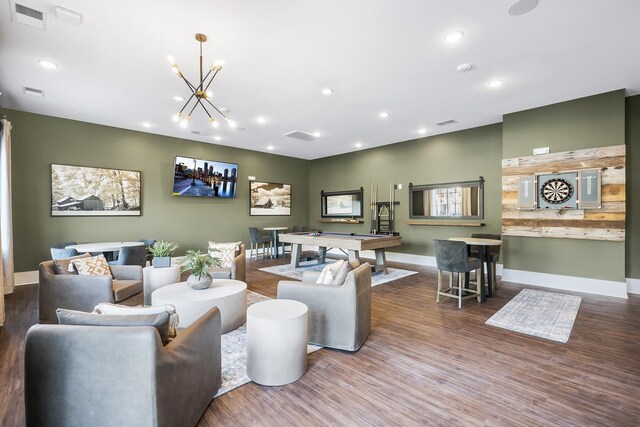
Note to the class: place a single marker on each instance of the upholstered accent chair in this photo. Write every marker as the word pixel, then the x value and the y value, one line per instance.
pixel 339 315
pixel 147 243
pixel 131 255
pixel 121 375
pixel 452 256
pixel 61 289
pixel 60 253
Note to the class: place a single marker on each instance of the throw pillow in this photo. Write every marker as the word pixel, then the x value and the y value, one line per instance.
pixel 341 274
pixel 329 272
pixel 109 308
pixel 64 266
pixel 92 266
pixel 225 251
pixel 158 321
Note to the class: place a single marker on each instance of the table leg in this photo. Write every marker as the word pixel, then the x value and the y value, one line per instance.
pixel 490 277
pixel 353 255
pixel 275 244
pixel 483 259
pixel 296 251
pixel 381 261
pixel 322 255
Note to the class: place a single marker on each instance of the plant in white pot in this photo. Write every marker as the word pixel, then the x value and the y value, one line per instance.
pixel 162 252
pixel 198 264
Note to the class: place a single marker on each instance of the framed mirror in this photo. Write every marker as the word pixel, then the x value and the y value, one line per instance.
pixel 342 204
pixel 464 199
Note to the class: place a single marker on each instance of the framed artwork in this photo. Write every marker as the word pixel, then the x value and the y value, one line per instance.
pixel 268 198
pixel 89 191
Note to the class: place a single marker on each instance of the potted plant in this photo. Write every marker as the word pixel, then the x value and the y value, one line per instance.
pixel 198 264
pixel 162 252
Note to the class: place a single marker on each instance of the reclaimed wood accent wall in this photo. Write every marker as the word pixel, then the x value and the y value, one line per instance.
pixel 606 223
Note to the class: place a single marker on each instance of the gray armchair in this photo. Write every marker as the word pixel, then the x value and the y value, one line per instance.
pixel 339 316
pixel 121 376
pixel 78 292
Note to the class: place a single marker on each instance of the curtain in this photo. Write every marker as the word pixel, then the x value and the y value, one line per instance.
pixel 466 202
pixel 6 231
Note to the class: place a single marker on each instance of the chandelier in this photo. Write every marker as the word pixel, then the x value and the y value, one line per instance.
pixel 200 94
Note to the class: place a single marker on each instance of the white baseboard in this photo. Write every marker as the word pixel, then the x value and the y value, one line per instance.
pixel 25 278
pixel 568 283
pixel 633 286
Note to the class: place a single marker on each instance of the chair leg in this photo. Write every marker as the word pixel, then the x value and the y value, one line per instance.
pixel 439 286
pixel 478 272
pixel 460 288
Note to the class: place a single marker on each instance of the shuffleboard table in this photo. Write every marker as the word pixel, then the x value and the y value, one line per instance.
pixel 351 242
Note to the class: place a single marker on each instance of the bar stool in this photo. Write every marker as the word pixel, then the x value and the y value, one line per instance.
pixel 256 238
pixel 452 256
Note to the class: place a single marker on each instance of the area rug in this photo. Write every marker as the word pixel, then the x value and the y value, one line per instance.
pixel 538 313
pixel 296 273
pixel 234 352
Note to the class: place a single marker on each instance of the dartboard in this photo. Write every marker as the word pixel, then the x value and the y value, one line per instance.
pixel 556 191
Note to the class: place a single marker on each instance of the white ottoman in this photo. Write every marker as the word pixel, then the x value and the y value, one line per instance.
pixel 276 341
pixel 230 296
pixel 156 278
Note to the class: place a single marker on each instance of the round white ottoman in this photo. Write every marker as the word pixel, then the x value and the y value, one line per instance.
pixel 230 296
pixel 276 341
pixel 156 278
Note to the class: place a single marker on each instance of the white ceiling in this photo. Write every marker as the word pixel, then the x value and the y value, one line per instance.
pixel 376 55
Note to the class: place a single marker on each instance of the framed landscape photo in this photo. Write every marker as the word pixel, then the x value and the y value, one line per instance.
pixel 268 198
pixel 89 191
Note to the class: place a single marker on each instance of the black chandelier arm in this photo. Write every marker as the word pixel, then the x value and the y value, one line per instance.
pixel 194 107
pixel 199 101
pixel 212 77
pixel 216 108
pixel 187 103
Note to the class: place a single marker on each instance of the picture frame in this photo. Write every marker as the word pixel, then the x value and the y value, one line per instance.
pixel 95 191
pixel 269 199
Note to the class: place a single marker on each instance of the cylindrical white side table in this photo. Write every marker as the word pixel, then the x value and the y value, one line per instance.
pixel 276 341
pixel 155 278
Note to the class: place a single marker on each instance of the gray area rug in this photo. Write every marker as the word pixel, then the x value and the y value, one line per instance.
pixel 538 313
pixel 234 352
pixel 296 273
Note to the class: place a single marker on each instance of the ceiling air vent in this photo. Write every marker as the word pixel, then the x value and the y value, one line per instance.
pixel 302 136
pixel 26 15
pixel 446 122
pixel 33 92
pixel 197 132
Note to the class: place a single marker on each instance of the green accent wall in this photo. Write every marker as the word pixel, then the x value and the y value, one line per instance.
pixel 38 141
pixel 594 121
pixel 633 187
pixel 456 156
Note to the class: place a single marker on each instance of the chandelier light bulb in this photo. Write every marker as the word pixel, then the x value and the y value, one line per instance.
pixel 176 118
pixel 171 60
pixel 219 63
pixel 174 68
pixel 231 123
pixel 209 94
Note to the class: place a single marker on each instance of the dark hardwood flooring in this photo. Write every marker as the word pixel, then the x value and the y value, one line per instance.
pixel 423 364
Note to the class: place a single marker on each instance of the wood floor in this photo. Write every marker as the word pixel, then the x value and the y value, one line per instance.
pixel 423 364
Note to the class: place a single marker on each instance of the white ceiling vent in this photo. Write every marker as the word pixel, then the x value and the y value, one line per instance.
pixel 446 122
pixel 33 92
pixel 69 16
pixel 302 136
pixel 198 133
pixel 27 15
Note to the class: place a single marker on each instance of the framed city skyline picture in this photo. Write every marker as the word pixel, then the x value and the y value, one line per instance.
pixel 91 191
pixel 268 198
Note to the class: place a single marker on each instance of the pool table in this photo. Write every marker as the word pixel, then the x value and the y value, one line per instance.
pixel 351 242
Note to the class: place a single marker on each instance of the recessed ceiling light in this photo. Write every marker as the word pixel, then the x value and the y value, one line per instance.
pixel 261 119
pixel 454 36
pixel 218 62
pixel 178 98
pixel 231 123
pixel 422 131
pixel 463 68
pixel 327 91
pixel 217 138
pixel 523 6
pixel 47 64
pixel 146 124
pixel 495 83
pixel 270 147
pixel 358 144
pixel 317 134
pixel 384 115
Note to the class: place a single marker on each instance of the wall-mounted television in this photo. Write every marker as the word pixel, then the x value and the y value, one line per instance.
pixel 204 178
pixel 342 204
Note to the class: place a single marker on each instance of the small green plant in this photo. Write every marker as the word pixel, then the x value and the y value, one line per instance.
pixel 162 248
pixel 199 263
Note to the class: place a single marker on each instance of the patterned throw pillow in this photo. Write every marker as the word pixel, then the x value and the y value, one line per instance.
pixel 92 266
pixel 109 308
pixel 225 251
pixel 64 266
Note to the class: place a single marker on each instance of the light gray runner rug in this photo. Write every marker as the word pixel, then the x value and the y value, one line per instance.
pixel 296 273
pixel 539 313
pixel 234 352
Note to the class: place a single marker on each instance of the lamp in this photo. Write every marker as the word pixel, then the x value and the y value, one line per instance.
pixel 200 94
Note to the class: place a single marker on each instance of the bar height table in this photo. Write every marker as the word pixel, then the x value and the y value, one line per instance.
pixel 275 238
pixel 483 249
